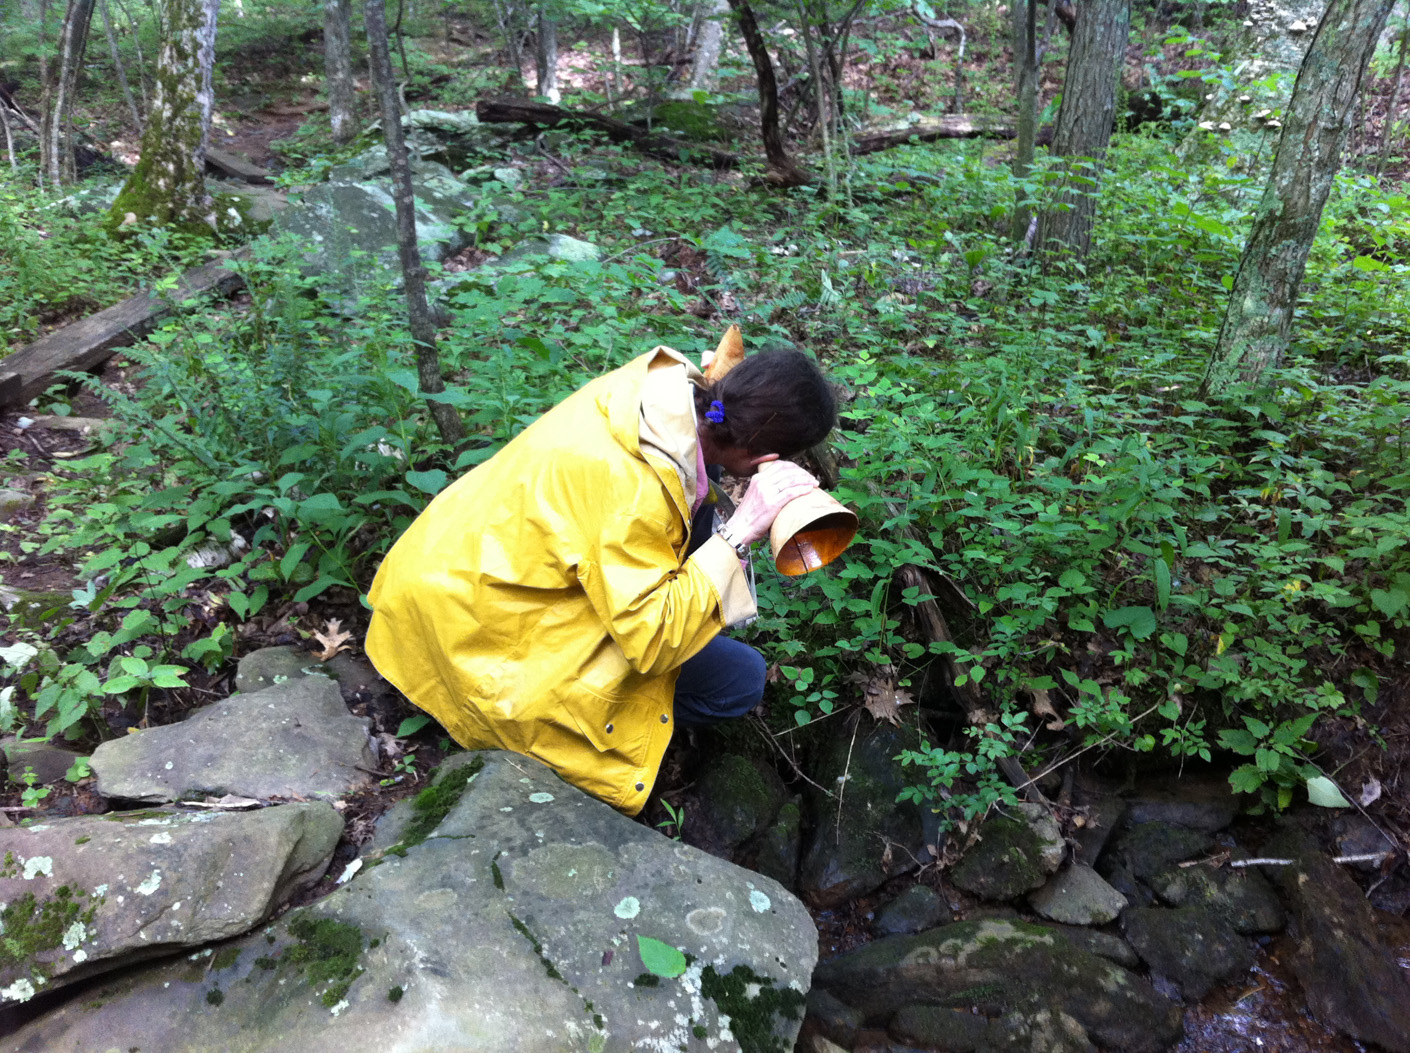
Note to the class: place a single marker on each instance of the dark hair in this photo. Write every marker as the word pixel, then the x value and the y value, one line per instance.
pixel 774 402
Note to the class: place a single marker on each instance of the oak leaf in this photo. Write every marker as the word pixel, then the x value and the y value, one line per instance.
pixel 333 639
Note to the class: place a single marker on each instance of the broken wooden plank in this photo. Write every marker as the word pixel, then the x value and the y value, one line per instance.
pixel 544 115
pixel 84 344
pixel 233 167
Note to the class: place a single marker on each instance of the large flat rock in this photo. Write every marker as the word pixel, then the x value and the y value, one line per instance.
pixel 293 741
pixel 513 927
pixel 90 894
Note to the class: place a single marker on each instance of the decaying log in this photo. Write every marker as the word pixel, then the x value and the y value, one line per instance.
pixel 544 115
pixel 955 126
pixel 84 344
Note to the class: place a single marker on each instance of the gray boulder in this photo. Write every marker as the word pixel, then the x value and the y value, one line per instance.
pixel 513 918
pixel 1240 895
pixel 293 740
pixel 13 502
pixel 1192 946
pixel 914 910
pixel 90 894
pixel 559 247
pixel 1014 854
pixel 1078 896
pixel 1351 979
pixel 273 665
pixel 999 968
pixel 49 763
pixel 869 837
pixel 1200 802
pixel 953 1030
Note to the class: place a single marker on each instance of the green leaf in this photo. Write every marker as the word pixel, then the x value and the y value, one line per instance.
pixel 1238 741
pixel 1390 602
pixel 1246 779
pixel 1071 578
pixel 1162 584
pixel 1322 792
pixel 411 725
pixel 430 482
pixel 1139 620
pixel 660 958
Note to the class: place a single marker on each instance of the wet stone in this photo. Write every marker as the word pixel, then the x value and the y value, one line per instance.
pixel 774 853
pixel 1078 896
pixel 1014 854
pixel 914 910
pixel 1241 895
pixel 736 798
pixel 1192 946
pixel 1145 849
pixel 273 665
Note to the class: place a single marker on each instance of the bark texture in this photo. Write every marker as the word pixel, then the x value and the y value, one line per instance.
pixel 1084 124
pixel 1026 60
pixel 1258 321
pixel 423 329
pixel 781 168
pixel 338 68
pixel 55 140
pixel 546 56
pixel 168 186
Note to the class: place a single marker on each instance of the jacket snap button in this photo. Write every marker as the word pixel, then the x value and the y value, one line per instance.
pixel 665 719
pixel 609 729
pixel 640 786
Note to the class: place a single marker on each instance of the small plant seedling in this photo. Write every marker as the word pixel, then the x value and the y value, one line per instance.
pixel 675 819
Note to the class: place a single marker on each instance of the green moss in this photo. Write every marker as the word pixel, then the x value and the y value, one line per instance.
pixel 266 962
pixel 699 1031
pixel 225 958
pixel 647 980
pixel 31 926
pixel 523 930
pixel 394 995
pixel 83 840
pixel 434 803
pixel 751 1019
pixel 690 119
pixel 495 872
pixel 328 952
pixel 215 996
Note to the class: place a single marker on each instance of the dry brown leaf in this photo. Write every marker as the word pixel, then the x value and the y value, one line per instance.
pixel 886 858
pixel 333 639
pixel 1043 707
pixel 728 355
pixel 880 695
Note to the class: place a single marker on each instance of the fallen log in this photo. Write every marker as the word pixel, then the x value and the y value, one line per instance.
pixel 544 115
pixel 956 126
pixel 85 343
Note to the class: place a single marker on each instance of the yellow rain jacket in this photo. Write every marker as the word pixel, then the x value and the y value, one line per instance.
pixel 542 603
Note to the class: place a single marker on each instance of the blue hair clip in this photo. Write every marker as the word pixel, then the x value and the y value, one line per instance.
pixel 716 413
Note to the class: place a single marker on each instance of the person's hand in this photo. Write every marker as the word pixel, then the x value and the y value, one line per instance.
pixel 775 485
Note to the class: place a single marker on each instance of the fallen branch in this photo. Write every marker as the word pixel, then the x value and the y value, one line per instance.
pixel 955 126
pixel 1364 857
pixel 545 115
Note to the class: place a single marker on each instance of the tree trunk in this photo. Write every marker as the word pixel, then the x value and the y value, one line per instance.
pixel 1403 37
pixel 546 57
pixel 168 185
pixel 118 68
pixel 55 140
pixel 423 329
pixel 781 167
pixel 506 13
pixel 705 63
pixel 1084 124
pixel 1258 321
pixel 1026 59
pixel 338 68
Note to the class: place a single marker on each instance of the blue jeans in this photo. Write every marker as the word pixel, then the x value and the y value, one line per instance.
pixel 725 680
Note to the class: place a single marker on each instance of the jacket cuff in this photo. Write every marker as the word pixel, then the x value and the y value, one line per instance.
pixel 720 563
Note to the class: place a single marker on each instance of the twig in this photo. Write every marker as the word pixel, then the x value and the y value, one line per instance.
pixel 1364 857
pixel 842 783
pixel 759 726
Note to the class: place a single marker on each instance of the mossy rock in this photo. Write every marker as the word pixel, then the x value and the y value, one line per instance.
pixel 699 122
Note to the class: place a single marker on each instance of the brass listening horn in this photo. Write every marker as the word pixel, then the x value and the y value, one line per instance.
pixel 810 532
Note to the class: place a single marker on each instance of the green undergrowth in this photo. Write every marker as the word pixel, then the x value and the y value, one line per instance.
pixel 1165 573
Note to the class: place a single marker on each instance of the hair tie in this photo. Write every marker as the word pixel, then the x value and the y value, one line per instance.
pixel 716 413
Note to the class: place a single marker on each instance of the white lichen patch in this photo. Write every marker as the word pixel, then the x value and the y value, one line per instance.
pixel 759 901
pixel 506 808
pixel 36 865
pixel 162 838
pixel 540 798
pixel 335 1010
pixel 19 991
pixel 80 956
pixel 101 890
pixel 154 822
pixel 629 908
pixel 74 935
pixel 153 882
pixel 706 921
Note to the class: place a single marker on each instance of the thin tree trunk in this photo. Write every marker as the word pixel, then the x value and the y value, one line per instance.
pixel 709 41
pixel 423 329
pixel 1258 321
pixel 782 168
pixel 56 141
pixel 338 68
pixel 401 41
pixel 820 94
pixel 118 67
pixel 546 57
pixel 1026 59
pixel 9 136
pixel 142 74
pixel 1084 125
pixel 168 184
pixel 1384 150
pixel 504 13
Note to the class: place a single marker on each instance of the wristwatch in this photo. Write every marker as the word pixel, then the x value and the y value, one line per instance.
pixel 741 548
